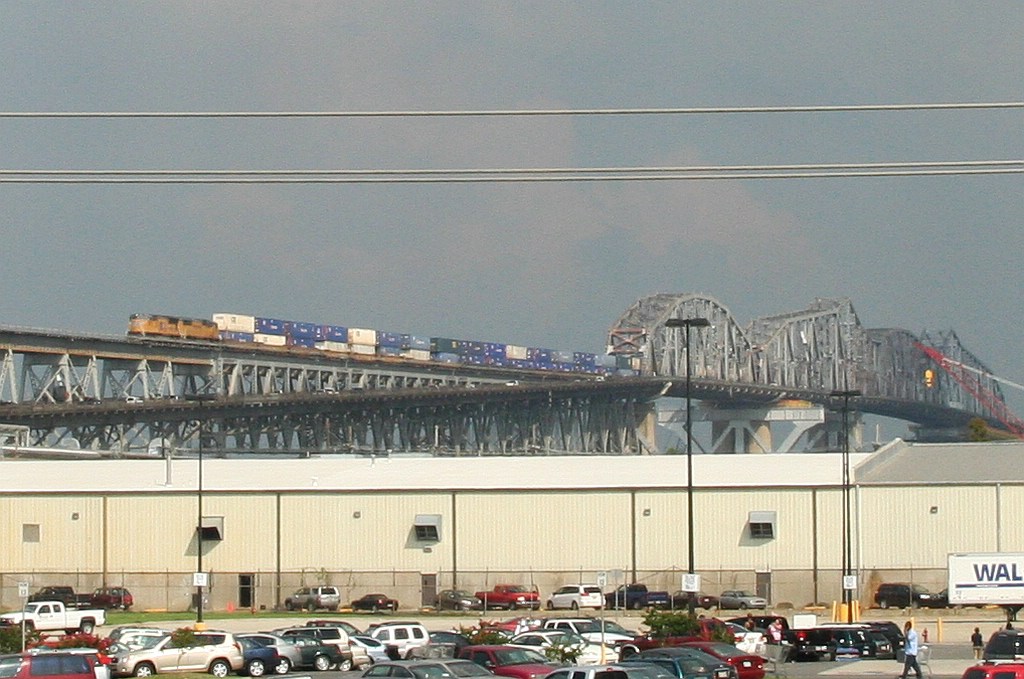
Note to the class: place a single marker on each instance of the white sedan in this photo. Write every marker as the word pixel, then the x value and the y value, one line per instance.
pixel 586 653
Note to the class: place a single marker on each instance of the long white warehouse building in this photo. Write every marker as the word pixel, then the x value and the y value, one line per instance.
pixel 411 526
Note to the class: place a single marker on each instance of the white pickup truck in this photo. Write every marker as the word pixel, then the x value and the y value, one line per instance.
pixel 52 616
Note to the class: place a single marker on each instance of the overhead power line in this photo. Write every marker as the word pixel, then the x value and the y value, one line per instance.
pixel 508 175
pixel 466 113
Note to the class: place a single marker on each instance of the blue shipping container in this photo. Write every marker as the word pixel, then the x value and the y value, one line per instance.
pixel 270 326
pixel 422 343
pixel 299 329
pixel 392 339
pixel 332 333
pixel 229 336
pixel 307 342
pixel 445 357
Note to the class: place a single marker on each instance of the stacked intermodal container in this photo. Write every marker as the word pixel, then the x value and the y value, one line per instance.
pixel 235 323
pixel 369 342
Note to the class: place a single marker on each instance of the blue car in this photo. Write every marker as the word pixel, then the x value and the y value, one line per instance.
pixel 257 659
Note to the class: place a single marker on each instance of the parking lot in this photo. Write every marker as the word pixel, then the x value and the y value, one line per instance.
pixel 948 636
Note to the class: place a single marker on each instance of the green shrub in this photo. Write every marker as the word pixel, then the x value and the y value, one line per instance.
pixel 10 638
pixel 664 624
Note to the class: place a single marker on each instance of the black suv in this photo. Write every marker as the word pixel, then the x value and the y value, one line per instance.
pixel 810 643
pixel 891 631
pixel 1005 644
pixel 903 595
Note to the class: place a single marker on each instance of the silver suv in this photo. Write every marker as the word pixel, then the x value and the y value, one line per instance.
pixel 215 652
pixel 312 598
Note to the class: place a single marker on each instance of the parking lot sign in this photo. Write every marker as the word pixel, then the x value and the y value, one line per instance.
pixel 23 590
pixel 602 579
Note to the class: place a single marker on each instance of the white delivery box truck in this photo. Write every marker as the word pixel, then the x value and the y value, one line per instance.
pixel 984 578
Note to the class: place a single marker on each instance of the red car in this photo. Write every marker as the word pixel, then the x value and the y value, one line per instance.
pixel 747 666
pixel 111 597
pixel 509 661
pixel 374 603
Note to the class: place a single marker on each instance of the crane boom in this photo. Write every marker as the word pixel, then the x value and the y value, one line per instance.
pixel 968 377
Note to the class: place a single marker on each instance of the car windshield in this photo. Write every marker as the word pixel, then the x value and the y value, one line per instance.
pixel 726 651
pixel 468 669
pixel 461 594
pixel 430 672
pixel 566 638
pixel 518 656
pixel 141 642
pixel 651 672
pixel 609 627
pixel 9 667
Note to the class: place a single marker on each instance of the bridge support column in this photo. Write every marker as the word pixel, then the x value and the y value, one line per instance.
pixel 755 429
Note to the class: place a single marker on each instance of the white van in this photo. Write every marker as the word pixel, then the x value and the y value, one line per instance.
pixel 575 597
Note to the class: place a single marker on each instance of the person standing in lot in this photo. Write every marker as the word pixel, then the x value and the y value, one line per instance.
pixel 978 643
pixel 910 651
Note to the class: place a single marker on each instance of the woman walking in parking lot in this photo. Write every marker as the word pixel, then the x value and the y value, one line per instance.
pixel 978 642
pixel 910 651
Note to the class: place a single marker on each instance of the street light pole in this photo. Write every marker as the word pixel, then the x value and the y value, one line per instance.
pixel 846 395
pixel 199 537
pixel 687 324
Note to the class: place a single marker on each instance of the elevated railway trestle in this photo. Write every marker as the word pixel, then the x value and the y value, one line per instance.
pixel 133 397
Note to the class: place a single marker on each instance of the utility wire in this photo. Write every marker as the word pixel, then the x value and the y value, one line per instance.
pixel 544 170
pixel 284 178
pixel 506 175
pixel 706 110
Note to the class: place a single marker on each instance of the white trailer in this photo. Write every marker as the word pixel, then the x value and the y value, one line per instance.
pixel 987 578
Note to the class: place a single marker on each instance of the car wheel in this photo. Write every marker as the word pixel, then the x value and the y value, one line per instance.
pixel 220 668
pixel 375 609
pixel 627 652
pixel 283 666
pixel 144 670
pixel 575 606
pixel 883 604
pixel 345 664
pixel 287 605
pixel 321 663
pixel 87 627
pixel 743 605
pixel 637 605
pixel 512 607
pixel 256 668
pixel 550 605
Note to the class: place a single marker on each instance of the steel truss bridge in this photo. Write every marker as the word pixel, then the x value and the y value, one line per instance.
pixel 130 396
pixel 742 373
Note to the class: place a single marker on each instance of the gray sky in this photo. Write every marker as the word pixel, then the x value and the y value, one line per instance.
pixel 538 264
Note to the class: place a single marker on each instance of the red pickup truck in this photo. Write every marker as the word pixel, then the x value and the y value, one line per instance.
pixel 510 597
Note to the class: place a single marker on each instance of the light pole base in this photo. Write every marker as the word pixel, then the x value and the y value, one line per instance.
pixel 200 626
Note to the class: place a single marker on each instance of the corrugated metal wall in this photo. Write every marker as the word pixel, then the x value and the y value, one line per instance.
pixel 367 540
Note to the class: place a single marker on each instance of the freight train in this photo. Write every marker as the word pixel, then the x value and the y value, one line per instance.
pixel 366 343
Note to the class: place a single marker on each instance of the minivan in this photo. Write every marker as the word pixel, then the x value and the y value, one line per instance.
pixel 575 597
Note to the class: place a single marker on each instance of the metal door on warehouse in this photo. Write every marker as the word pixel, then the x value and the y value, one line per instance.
pixel 428 589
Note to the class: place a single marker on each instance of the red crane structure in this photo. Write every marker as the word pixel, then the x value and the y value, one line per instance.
pixel 970 379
